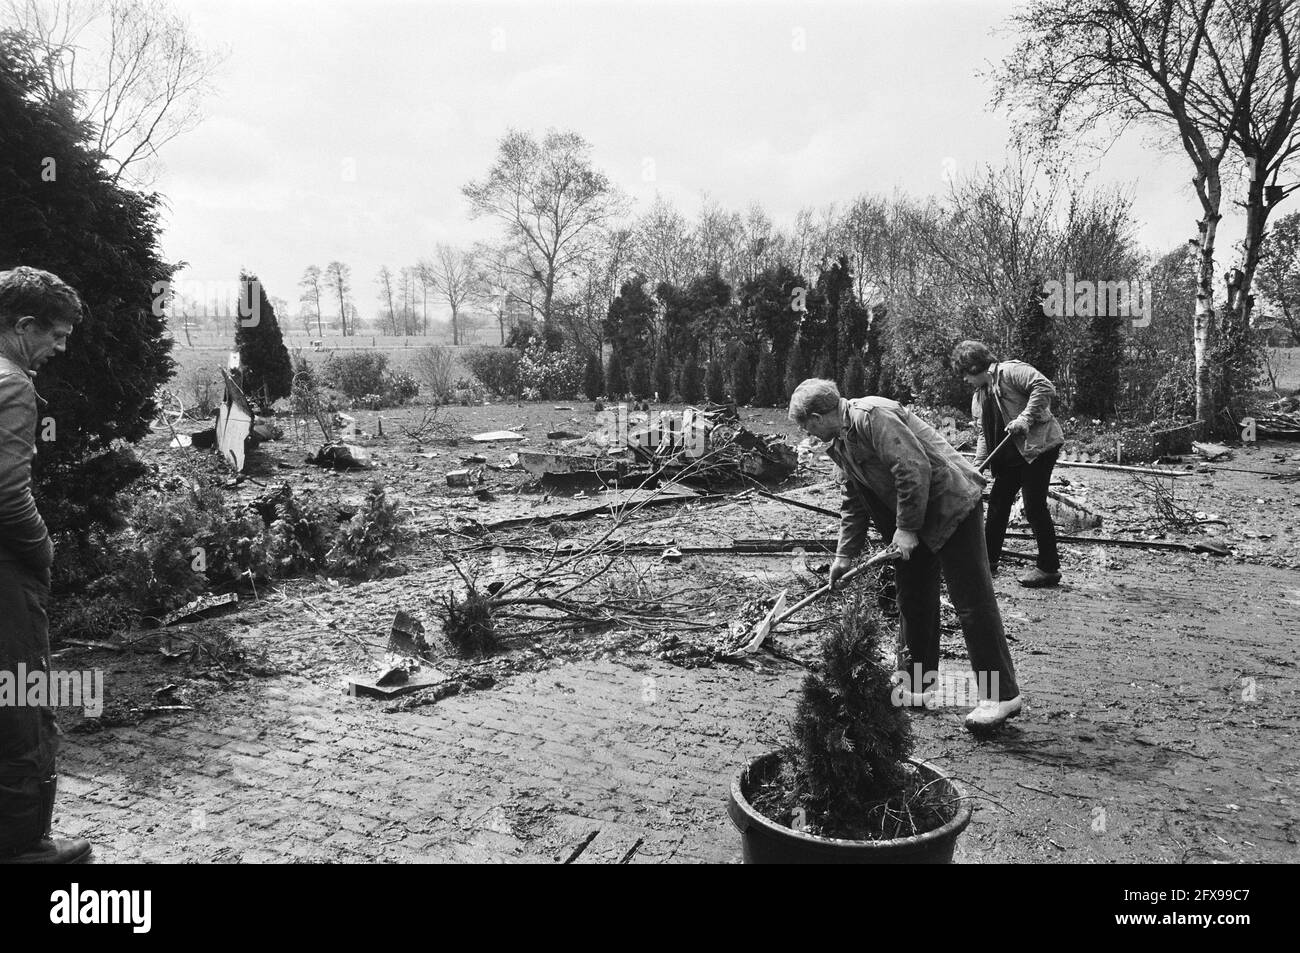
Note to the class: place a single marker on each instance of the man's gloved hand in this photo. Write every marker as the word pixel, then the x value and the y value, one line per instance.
pixel 1018 426
pixel 905 541
pixel 839 567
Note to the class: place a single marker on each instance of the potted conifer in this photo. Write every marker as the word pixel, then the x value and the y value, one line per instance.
pixel 844 789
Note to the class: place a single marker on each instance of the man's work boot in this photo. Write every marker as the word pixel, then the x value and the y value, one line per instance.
pixel 1037 579
pixel 48 850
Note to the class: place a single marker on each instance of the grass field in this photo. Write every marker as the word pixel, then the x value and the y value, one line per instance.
pixel 208 362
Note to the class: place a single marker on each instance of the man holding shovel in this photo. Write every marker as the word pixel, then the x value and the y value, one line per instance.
pixel 924 497
pixel 1013 398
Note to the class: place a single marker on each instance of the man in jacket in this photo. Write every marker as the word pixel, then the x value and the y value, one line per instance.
pixel 37 312
pixel 1013 398
pixel 923 496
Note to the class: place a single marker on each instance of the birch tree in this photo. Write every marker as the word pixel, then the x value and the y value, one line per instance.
pixel 1205 76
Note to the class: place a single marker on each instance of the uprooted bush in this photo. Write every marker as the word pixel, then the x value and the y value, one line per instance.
pixel 468 625
pixel 369 540
pixel 185 539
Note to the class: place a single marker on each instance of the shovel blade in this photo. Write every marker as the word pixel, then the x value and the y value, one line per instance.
pixel 763 628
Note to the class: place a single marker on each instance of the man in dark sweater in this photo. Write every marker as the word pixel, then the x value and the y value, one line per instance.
pixel 1012 397
pixel 37 312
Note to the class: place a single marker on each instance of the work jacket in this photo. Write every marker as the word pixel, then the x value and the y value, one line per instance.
pixel 23 537
pixel 1024 394
pixel 898 471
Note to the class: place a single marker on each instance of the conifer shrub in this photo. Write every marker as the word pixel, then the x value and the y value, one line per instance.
pixel 844 772
pixel 767 385
pixel 714 386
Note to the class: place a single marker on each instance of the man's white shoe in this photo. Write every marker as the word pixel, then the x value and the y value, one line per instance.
pixel 990 714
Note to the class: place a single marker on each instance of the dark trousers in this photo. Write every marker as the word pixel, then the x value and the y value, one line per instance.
pixel 1032 480
pixel 965 568
pixel 28 736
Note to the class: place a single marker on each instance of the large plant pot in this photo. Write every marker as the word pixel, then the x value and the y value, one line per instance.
pixel 766 842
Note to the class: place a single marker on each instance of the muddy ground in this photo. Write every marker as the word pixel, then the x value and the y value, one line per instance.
pixel 1161 686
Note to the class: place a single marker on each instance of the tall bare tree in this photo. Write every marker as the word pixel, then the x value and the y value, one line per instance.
pixel 424 275
pixel 663 245
pixel 456 276
pixel 310 285
pixel 551 201
pixel 339 278
pixel 138 72
pixel 718 242
pixel 499 277
pixel 385 281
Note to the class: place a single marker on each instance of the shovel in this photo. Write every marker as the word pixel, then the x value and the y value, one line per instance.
pixel 779 613
pixel 989 458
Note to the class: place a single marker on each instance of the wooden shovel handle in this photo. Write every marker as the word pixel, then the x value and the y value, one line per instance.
pixel 888 554
pixel 1001 444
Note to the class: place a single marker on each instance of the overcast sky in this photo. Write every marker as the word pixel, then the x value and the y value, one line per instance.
pixel 790 104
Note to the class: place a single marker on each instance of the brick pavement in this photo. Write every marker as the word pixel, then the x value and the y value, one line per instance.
pixel 599 760
pixel 1136 719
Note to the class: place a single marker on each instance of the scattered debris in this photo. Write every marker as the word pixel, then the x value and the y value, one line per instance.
pixel 407 635
pixel 347 426
pixel 430 424
pixel 199 606
pixel 1169 514
pixel 1155 471
pixel 341 456
pixel 234 421
pixel 390 684
pixel 467 477
pixel 204 439
pixel 540 463
pixel 1213 547
pixel 493 436
pixel 1071 513
pixel 265 431
pixel 562 435
pixel 1278 426
pixel 1212 451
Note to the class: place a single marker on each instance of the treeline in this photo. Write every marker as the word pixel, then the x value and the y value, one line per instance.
pixel 872 294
